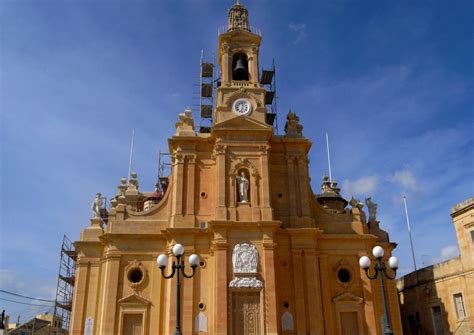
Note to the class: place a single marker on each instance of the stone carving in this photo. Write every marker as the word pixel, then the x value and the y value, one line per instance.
pixel 287 322
pixel 293 128
pixel 372 206
pixel 96 206
pixel 238 18
pixel 133 181
pixel 329 188
pixel 245 282
pixel 242 187
pixel 245 258
pixel 355 203
pixel 200 323
pixel 185 125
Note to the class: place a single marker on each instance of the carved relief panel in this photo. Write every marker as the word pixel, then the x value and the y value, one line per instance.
pixel 247 319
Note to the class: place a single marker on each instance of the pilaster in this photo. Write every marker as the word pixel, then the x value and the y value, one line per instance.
pixel 315 310
pixel 220 154
pixel 80 298
pixel 270 287
pixel 178 179
pixel 299 285
pixel 110 289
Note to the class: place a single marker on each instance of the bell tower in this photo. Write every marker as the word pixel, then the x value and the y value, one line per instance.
pixel 240 93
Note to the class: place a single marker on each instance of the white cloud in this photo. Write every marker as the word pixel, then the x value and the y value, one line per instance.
pixel 451 251
pixel 406 179
pixel 9 281
pixel 299 29
pixel 365 185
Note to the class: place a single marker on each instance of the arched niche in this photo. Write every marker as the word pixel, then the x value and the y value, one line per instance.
pixel 253 177
pixel 240 67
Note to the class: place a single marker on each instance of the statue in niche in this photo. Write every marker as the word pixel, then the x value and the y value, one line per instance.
pixel 245 258
pixel 372 207
pixel 96 206
pixel 242 187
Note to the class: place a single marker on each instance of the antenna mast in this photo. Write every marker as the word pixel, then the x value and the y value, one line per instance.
pixel 409 232
pixel 131 154
pixel 329 157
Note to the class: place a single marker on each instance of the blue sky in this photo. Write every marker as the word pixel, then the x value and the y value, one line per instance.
pixel 390 81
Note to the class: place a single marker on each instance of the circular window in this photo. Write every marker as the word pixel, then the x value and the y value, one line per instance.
pixel 280 195
pixel 203 195
pixel 286 305
pixel 344 275
pixel 201 306
pixel 135 275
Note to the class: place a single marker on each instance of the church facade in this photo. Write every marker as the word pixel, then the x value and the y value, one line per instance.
pixel 275 258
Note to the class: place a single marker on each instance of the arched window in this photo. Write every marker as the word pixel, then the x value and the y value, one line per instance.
pixel 240 67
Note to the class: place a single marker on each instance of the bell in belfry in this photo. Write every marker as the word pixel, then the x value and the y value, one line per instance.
pixel 240 71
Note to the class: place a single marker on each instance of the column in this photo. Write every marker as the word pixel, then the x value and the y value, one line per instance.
pixel 300 298
pixel 270 287
pixel 313 283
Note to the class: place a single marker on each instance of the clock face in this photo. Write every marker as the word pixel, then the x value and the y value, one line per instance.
pixel 242 107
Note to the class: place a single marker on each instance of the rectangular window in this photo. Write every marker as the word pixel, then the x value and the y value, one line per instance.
pixel 472 236
pixel 459 306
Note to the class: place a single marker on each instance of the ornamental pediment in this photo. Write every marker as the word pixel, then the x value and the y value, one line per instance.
pixel 134 299
pixel 348 297
pixel 242 123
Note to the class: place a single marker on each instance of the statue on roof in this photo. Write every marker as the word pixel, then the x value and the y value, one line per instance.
pixel 185 124
pixel 293 128
pixel 96 206
pixel 372 206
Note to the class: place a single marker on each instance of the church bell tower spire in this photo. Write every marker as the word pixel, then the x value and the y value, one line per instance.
pixel 240 92
pixel 238 18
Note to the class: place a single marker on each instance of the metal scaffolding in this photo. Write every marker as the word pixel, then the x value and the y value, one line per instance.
pixel 164 171
pixel 64 288
pixel 268 81
pixel 206 96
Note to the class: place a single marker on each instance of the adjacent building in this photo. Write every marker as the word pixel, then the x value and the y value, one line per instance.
pixel 439 299
pixel 276 258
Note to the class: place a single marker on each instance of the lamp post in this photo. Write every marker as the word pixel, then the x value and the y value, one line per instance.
pixel 381 268
pixel 178 269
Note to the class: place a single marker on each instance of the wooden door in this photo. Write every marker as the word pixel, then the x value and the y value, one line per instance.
pixel 246 314
pixel 132 324
pixel 349 323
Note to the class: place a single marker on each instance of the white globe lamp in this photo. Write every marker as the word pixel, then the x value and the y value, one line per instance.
pixel 378 252
pixel 364 262
pixel 178 250
pixel 162 261
pixel 194 260
pixel 393 262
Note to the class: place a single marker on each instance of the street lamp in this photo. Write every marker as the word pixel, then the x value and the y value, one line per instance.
pixel 178 268
pixel 381 268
